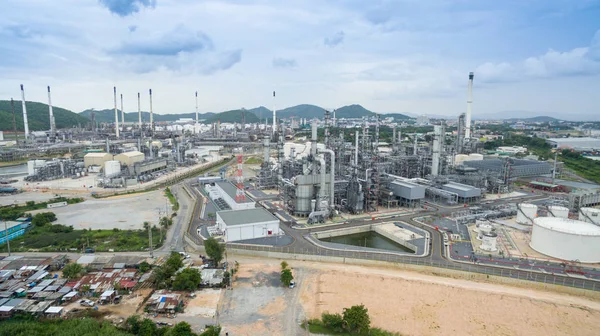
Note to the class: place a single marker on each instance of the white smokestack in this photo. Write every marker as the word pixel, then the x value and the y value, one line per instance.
pixel 274 115
pixel 116 112
pixel 469 107
pixel 151 116
pixel 122 114
pixel 25 122
pixel 139 112
pixel 196 109
pixel 52 121
pixel 435 161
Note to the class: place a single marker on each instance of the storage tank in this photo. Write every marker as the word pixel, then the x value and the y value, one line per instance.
pixel 112 168
pixel 475 157
pixel 304 194
pixel 489 242
pixel 526 213
pixel 31 167
pixel 558 211
pixel 566 239
pixel 590 215
pixel 483 229
pixel 458 158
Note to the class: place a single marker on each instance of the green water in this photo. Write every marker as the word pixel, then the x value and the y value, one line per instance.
pixel 368 239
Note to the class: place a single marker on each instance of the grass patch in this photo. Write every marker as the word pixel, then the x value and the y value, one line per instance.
pixel 254 160
pixel 10 212
pixel 61 238
pixel 172 199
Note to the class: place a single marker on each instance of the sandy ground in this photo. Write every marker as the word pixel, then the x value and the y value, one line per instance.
pixel 416 304
pixel 204 304
pixel 126 212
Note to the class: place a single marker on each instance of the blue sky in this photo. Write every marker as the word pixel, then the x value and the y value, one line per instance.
pixel 389 56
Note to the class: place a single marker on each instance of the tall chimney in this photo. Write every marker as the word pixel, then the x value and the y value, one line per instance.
pixel 274 115
pixel 469 107
pixel 435 160
pixel 196 111
pixel 25 122
pixel 122 115
pixel 52 121
pixel 116 113
pixel 139 113
pixel 151 116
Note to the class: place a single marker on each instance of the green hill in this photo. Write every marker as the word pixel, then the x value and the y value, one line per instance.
pixel 353 111
pixel 38 117
pixel 108 116
pixel 301 111
pixel 234 116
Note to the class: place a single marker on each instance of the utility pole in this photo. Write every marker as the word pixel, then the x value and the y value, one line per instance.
pixel 150 240
pixel 7 240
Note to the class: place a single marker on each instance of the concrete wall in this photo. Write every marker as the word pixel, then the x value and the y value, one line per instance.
pixel 394 238
pixel 361 229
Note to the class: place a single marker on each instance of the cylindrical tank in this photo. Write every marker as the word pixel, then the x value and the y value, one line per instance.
pixel 475 157
pixel 566 239
pixel 304 194
pixel 484 229
pixel 590 215
pixel 112 168
pixel 489 241
pixel 526 213
pixel 558 211
pixel 31 167
pixel 458 158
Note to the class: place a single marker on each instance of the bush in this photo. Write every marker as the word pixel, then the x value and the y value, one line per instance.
pixel 188 279
pixel 286 277
pixel 356 319
pixel 43 218
pixel 144 267
pixel 72 271
pixel 334 322
pixel 214 249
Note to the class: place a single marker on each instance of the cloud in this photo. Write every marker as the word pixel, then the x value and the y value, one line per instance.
pixel 279 62
pixel 176 41
pixel 576 62
pixel 127 7
pixel 334 40
pixel 222 61
pixel 132 29
pixel 21 31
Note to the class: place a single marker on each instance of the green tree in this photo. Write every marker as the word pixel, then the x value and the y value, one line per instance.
pixel 284 265
pixel 356 319
pixel 212 331
pixel 147 328
pixel 334 322
pixel 144 267
pixel 43 218
pixel 286 276
pixel 214 249
pixel 174 262
pixel 72 271
pixel 188 279
pixel 181 329
pixel 146 226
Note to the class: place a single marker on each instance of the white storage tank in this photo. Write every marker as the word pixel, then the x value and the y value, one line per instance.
pixel 566 239
pixel 112 168
pixel 590 215
pixel 489 242
pixel 31 167
pixel 475 157
pixel 459 158
pixel 483 229
pixel 558 211
pixel 526 213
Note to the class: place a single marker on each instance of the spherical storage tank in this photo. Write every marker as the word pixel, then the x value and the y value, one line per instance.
pixel 590 215
pixel 566 239
pixel 112 168
pixel 558 211
pixel 526 213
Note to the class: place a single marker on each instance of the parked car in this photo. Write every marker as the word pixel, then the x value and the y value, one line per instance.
pixel 87 303
pixel 117 299
pixel 292 284
pixel 184 255
pixel 89 250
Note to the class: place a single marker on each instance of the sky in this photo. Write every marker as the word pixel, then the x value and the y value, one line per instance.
pixel 389 56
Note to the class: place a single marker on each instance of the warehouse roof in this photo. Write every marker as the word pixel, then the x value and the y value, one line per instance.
pixel 99 155
pixel 243 217
pixel 230 189
pixel 570 226
pixel 132 153
pixel 544 184
pixel 406 184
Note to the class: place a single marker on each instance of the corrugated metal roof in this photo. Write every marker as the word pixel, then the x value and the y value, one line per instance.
pixel 231 190
pixel 243 217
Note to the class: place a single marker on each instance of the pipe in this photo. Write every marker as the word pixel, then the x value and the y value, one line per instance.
pixel 25 121
pixel 52 122
pixel 139 114
pixel 469 106
pixel 151 115
pixel 116 112
pixel 332 177
pixel 321 160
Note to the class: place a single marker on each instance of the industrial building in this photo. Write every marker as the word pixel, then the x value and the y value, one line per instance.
pixel 227 192
pixel 577 144
pixel 129 158
pixel 12 230
pixel 566 239
pixel 247 224
pixel 96 159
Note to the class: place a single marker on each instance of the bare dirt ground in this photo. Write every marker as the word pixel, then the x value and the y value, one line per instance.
pixel 402 301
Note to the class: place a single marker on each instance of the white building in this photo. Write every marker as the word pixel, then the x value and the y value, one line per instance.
pixel 422 120
pixel 512 149
pixel 227 192
pixel 247 224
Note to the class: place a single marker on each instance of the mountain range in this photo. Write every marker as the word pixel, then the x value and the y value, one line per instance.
pixel 37 117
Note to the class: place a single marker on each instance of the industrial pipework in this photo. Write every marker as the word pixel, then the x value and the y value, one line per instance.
pixel 332 177
pixel 122 115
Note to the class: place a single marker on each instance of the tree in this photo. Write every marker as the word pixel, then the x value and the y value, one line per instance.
pixel 147 328
pixel 181 329
pixel 356 319
pixel 72 271
pixel 132 324
pixel 334 322
pixel 214 249
pixel 286 277
pixel 174 262
pixel 212 331
pixel 43 218
pixel 146 226
pixel 144 267
pixel 188 279
pixel 165 223
pixel 284 265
